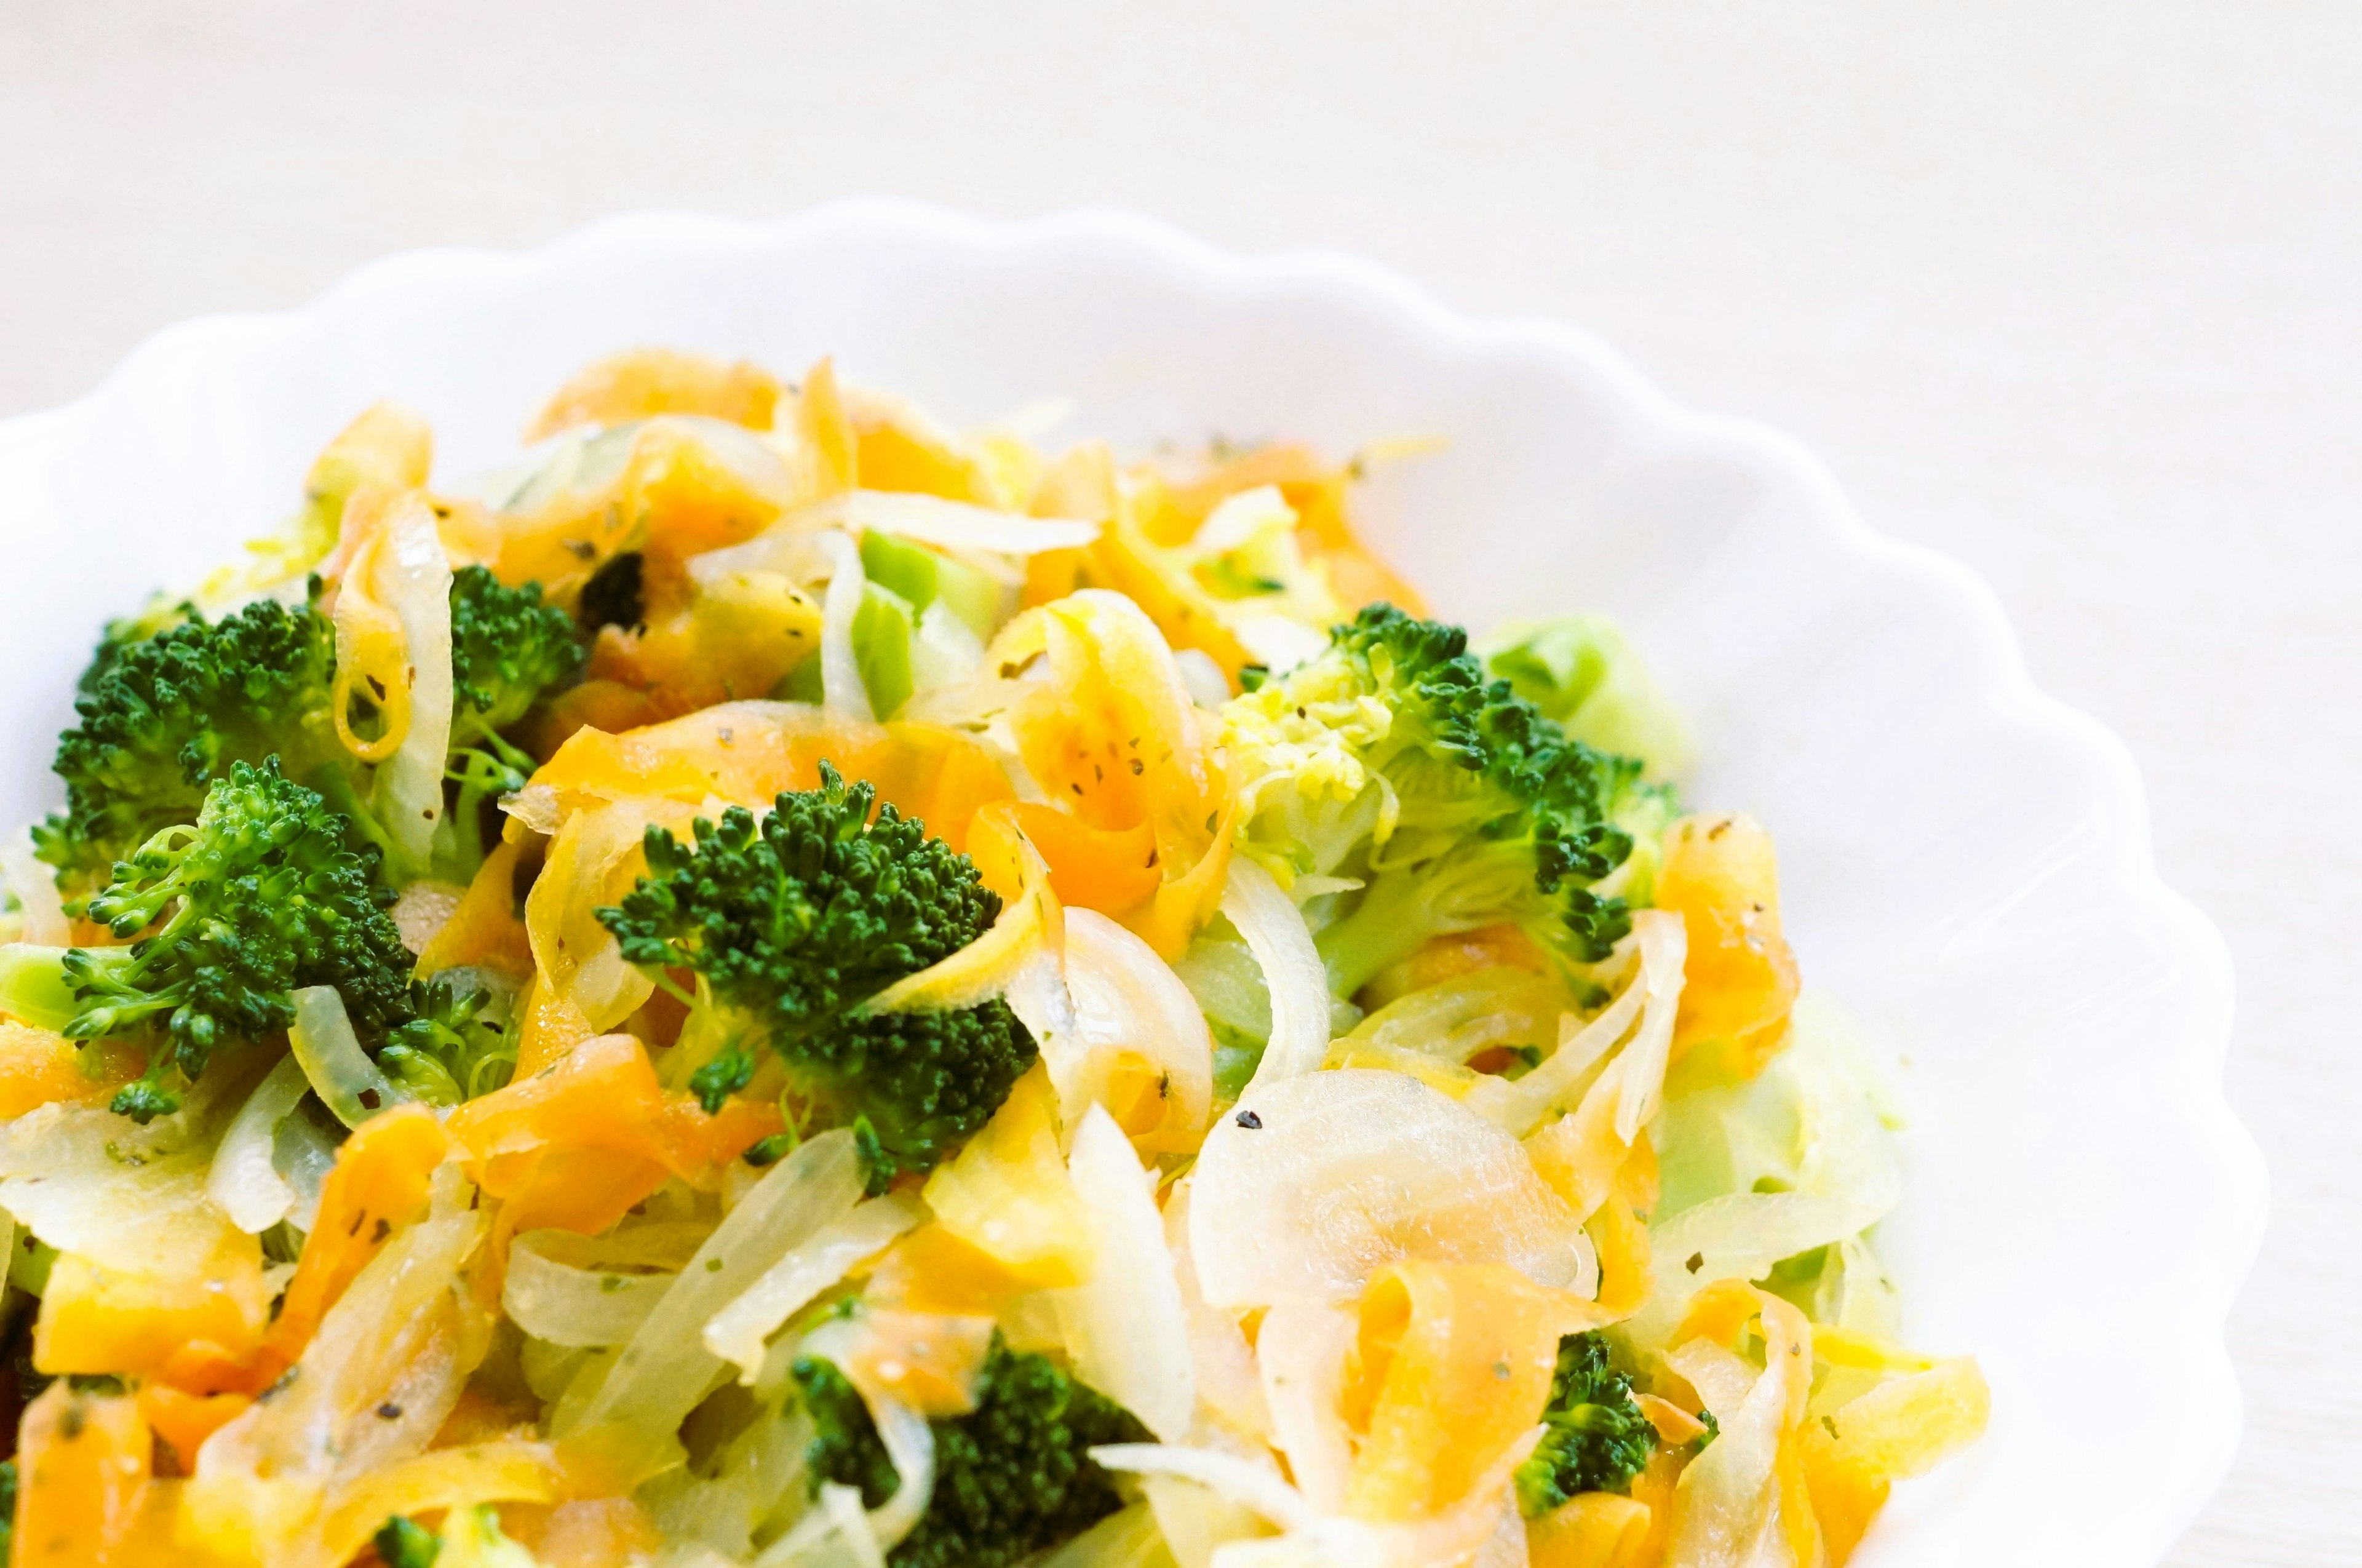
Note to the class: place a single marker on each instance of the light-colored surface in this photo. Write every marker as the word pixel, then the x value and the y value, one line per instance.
pixel 2072 291
pixel 1941 824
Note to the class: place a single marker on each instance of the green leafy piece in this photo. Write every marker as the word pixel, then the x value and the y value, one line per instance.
pixel 1013 1477
pixel 7 1508
pixel 259 897
pixel 791 922
pixel 1582 672
pixel 1595 1438
pixel 1392 760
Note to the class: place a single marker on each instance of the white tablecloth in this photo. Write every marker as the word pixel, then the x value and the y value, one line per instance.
pixel 2071 291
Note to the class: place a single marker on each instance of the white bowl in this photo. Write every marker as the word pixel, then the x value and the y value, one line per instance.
pixel 1967 861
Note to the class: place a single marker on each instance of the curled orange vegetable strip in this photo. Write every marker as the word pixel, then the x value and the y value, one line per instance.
pixel 1453 1361
pixel 83 1462
pixel 1115 740
pixel 378 1186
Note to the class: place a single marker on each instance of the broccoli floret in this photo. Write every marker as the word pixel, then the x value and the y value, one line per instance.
pixel 1392 761
pixel 1596 1439
pixel 508 647
pixel 789 923
pixel 458 1046
pixel 171 700
pixel 161 717
pixel 1012 1477
pixel 1579 671
pixel 259 898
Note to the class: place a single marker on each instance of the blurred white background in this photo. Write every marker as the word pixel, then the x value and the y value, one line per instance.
pixel 2071 291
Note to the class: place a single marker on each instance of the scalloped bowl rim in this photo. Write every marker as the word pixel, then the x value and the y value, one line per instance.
pixel 35 447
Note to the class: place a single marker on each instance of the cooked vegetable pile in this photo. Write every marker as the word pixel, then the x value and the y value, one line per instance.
pixel 784 984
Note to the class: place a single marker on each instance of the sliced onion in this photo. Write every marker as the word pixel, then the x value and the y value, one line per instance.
pixel 1257 1485
pixel 1131 1007
pixel 1507 1546
pixel 554 1295
pixel 1275 934
pixel 835 1532
pixel 1125 1326
pixel 945 651
pixel 1228 1386
pixel 951 525
pixel 1302 1348
pixel 304 1152
pixel 1520 1105
pixel 1319 1180
pixel 412 579
pixel 842 687
pixel 1454 1536
pixel 1740 1236
pixel 131 1199
pixel 35 887
pixel 1726 1502
pixel 665 1369
pixel 340 1072
pixel 400 1340
pixel 736 1333
pixel 1462 1017
pixel 1664 948
pixel 244 1182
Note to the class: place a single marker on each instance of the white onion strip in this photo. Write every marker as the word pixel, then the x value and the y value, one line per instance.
pixel 581 1309
pixel 1664 948
pixel 1275 934
pixel 413 580
pixel 1242 1480
pixel 341 1073
pixel 1127 1000
pixel 243 1182
pixel 737 1332
pixel 839 671
pixel 953 524
pixel 1302 1349
pixel 1126 1326
pixel 661 1374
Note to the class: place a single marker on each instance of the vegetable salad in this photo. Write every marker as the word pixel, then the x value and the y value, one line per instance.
pixel 781 984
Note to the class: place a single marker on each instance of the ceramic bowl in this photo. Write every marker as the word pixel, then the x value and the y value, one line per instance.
pixel 1967 862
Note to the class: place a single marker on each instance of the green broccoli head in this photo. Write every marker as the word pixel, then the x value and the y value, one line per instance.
pixel 1012 1477
pixel 170 699
pixel 258 898
pixel 1595 1439
pixel 508 647
pixel 1580 671
pixel 791 922
pixel 457 1045
pixel 159 718
pixel 1392 760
